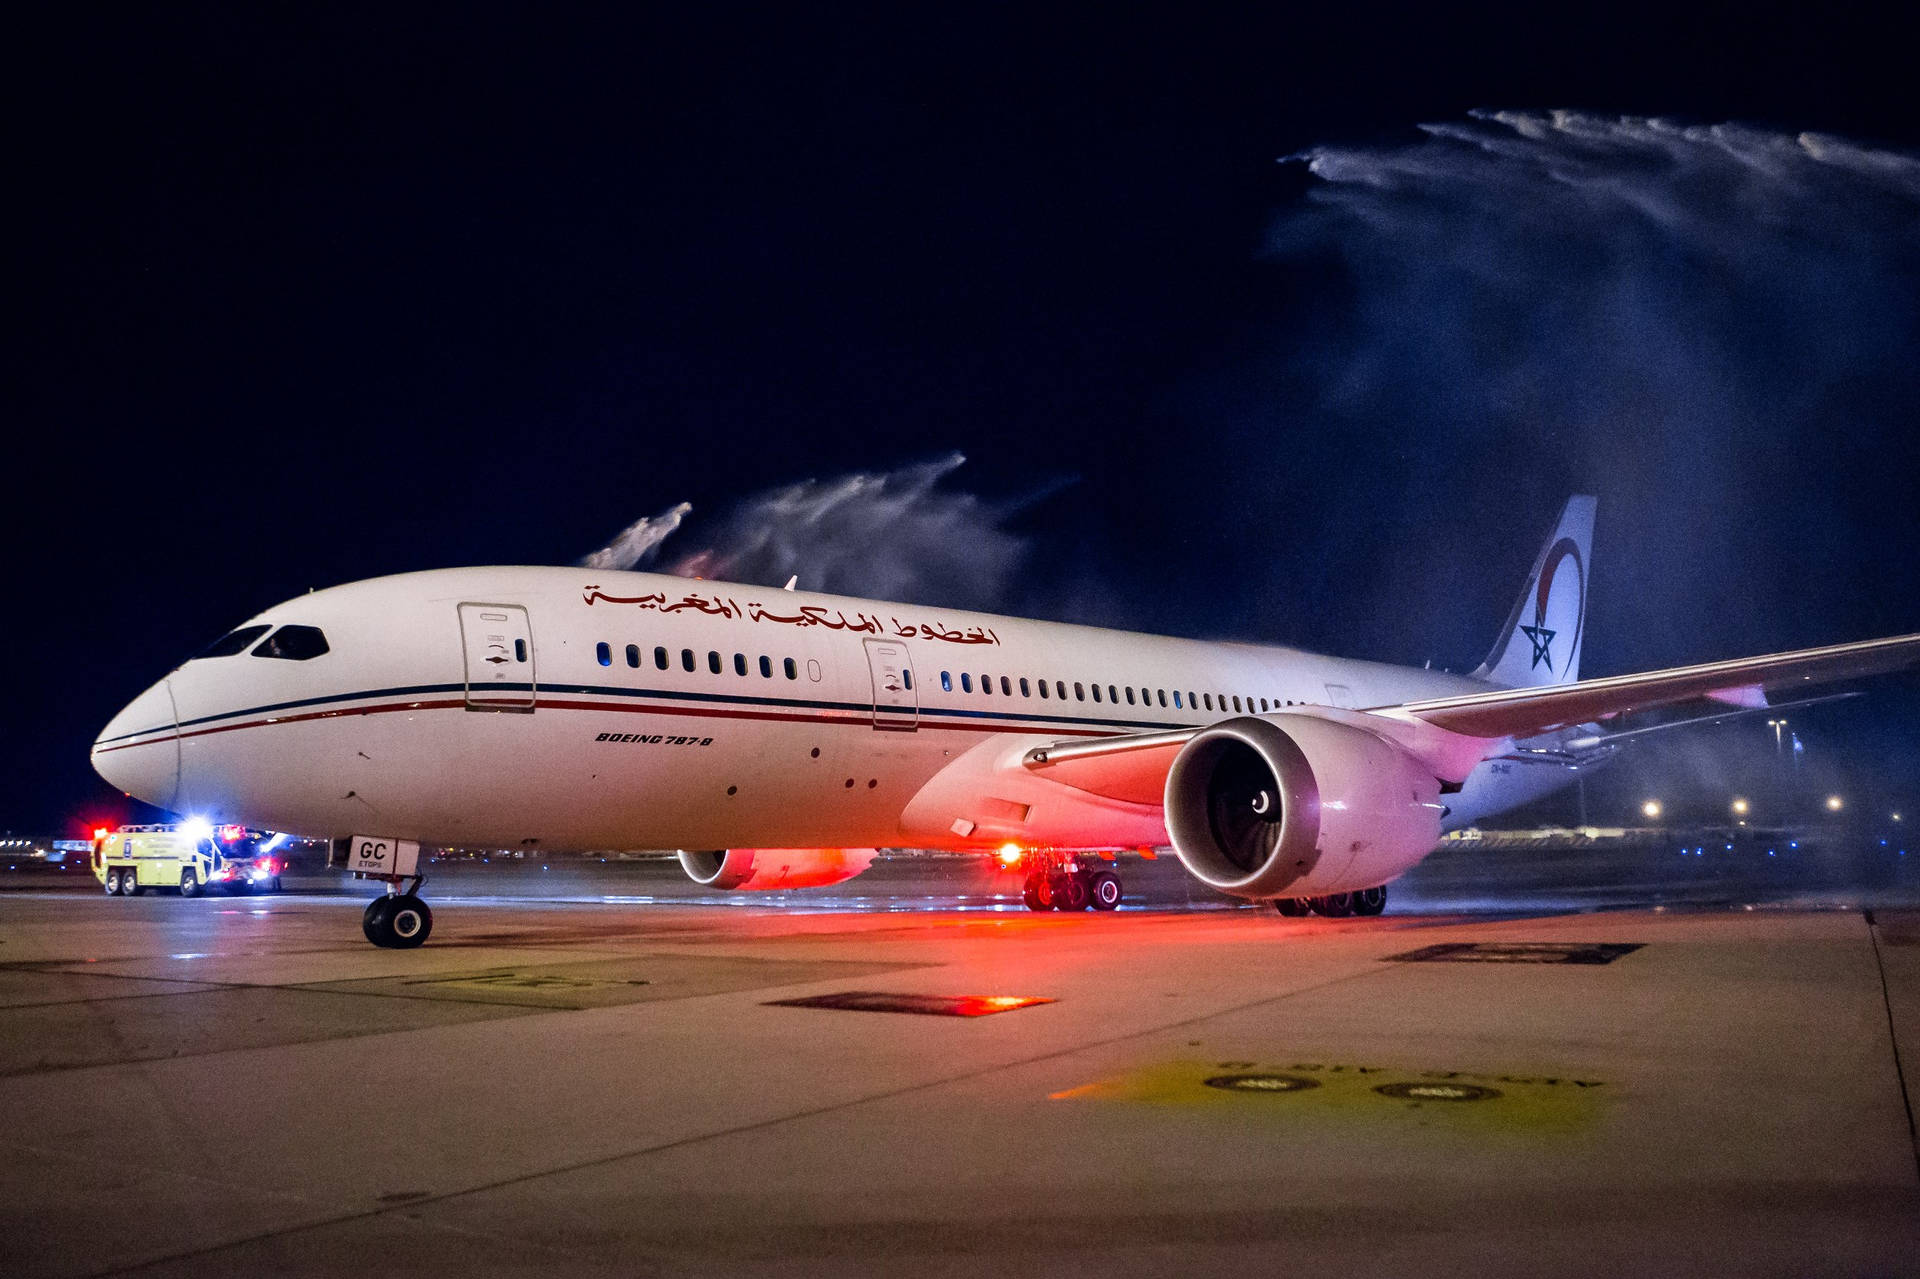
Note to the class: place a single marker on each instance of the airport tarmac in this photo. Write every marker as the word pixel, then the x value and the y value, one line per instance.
pixel 630 1082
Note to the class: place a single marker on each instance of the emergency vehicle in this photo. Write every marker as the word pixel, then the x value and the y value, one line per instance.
pixel 190 857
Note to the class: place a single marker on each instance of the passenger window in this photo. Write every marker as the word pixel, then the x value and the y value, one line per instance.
pixel 1060 689
pixel 1176 700
pixel 986 685
pixel 1096 692
pixel 1079 691
pixel 793 672
pixel 1209 701
pixel 633 655
pixel 519 650
pixel 946 681
pixel 1006 686
pixel 1263 705
pixel 1236 703
pixel 1129 694
pixel 1113 695
pixel 766 667
pixel 686 660
pixel 966 682
pixel 740 664
pixel 293 644
pixel 660 658
pixel 1024 690
pixel 713 661
pixel 604 653
pixel 906 677
pixel 233 642
pixel 1163 698
pixel 1043 688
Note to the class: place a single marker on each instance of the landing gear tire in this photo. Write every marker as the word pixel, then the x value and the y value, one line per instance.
pixel 1292 907
pixel 397 922
pixel 1038 894
pixel 1370 901
pixel 1334 905
pixel 1070 892
pixel 189 883
pixel 374 922
pixel 1106 890
pixel 113 883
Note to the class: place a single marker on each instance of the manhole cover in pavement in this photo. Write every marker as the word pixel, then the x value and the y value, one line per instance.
pixel 1262 1083
pixel 1437 1092
pixel 1517 952
pixel 874 1001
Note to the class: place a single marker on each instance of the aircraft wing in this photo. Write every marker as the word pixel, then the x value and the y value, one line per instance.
pixel 1597 740
pixel 1453 734
pixel 1525 712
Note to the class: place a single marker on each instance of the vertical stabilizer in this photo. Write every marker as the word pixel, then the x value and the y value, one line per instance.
pixel 1540 643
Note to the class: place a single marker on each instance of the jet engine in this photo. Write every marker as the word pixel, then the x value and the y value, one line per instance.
pixel 764 869
pixel 1297 806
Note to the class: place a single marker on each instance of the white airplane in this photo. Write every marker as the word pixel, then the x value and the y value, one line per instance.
pixel 791 733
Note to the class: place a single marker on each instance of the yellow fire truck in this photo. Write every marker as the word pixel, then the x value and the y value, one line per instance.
pixel 190 857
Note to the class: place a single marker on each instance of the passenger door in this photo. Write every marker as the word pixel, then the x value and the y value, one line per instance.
pixel 895 703
pixel 498 644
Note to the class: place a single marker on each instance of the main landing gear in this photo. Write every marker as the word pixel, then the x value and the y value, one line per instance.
pixel 1368 901
pixel 1059 882
pixel 399 920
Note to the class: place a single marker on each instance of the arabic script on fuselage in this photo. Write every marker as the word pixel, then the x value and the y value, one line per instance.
pixel 802 615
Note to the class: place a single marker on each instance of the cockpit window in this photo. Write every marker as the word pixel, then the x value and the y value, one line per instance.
pixel 232 642
pixel 293 644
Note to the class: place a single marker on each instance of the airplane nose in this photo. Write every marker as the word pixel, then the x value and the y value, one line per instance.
pixel 139 750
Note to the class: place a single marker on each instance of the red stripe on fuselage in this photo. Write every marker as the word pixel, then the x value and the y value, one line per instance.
pixel 624 708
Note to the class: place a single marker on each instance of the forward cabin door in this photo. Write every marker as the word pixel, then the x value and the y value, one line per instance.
pixel 498 641
pixel 895 703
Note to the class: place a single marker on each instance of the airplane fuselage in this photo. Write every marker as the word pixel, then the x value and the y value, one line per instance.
pixel 564 708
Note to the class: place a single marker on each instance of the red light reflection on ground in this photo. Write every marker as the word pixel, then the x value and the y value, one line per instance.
pixel 876 1001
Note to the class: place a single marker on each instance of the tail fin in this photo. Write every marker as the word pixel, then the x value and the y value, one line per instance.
pixel 1540 643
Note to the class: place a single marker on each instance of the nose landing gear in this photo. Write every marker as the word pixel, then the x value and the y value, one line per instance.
pixel 400 920
pixel 1063 882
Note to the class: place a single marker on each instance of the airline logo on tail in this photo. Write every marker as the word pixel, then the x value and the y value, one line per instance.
pixel 1540 643
pixel 1541 635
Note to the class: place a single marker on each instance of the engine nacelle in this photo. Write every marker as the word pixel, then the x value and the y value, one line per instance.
pixel 1297 806
pixel 763 869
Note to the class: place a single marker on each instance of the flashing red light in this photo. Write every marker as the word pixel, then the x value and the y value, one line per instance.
pixel 1010 854
pixel 230 833
pixel 99 832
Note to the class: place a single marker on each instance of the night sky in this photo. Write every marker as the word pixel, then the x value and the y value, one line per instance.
pixel 299 300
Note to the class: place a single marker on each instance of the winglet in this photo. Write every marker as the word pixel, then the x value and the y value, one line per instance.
pixel 1540 644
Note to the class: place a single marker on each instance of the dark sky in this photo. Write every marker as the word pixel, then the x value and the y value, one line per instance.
pixel 305 299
